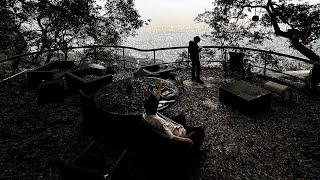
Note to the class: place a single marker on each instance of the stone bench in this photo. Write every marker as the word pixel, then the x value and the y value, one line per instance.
pixel 279 89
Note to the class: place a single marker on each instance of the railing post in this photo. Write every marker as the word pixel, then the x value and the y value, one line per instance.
pixel 265 64
pixel 95 54
pixel 224 56
pixel 188 53
pixel 66 55
pixel 154 56
pixel 249 71
pixel 123 59
pixel 59 58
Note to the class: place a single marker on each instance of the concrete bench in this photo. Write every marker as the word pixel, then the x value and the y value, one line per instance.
pixel 51 91
pixel 76 79
pixel 48 72
pixel 245 96
pixel 279 89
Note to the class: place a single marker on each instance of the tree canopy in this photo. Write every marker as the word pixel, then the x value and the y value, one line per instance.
pixel 300 23
pixel 297 22
pixel 12 39
pixel 46 24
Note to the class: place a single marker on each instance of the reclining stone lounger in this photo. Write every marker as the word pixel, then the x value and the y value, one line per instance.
pixel 155 156
pixel 155 71
pixel 148 150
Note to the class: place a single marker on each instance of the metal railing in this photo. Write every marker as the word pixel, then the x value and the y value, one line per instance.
pixel 222 48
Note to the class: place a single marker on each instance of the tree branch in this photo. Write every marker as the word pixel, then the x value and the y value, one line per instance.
pixel 274 21
pixel 237 17
pixel 40 25
pixel 293 39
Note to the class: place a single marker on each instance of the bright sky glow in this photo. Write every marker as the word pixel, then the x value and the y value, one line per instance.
pixel 165 12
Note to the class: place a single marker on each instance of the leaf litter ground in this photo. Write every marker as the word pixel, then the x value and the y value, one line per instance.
pixel 282 143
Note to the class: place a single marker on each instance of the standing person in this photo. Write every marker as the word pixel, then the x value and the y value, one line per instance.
pixel 194 50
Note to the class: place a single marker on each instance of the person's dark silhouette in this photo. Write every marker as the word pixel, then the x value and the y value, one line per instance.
pixel 194 56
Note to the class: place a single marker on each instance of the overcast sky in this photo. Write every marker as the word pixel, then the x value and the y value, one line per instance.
pixel 175 11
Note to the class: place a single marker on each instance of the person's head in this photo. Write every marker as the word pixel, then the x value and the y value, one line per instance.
pixel 151 105
pixel 196 39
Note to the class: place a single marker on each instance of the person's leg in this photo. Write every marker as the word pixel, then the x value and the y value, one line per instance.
pixel 198 71
pixel 196 134
pixel 193 70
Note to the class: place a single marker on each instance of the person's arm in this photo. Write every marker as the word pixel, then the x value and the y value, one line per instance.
pixel 177 139
pixel 199 48
pixel 157 94
pixel 174 138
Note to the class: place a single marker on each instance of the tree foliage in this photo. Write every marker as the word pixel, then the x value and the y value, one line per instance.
pixel 12 40
pixel 46 24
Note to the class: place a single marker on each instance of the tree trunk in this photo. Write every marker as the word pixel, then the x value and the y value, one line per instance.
pixel 47 46
pixel 314 78
pixel 20 47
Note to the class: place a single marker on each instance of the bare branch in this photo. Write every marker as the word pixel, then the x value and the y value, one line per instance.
pixel 274 4
pixel 256 6
pixel 237 17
